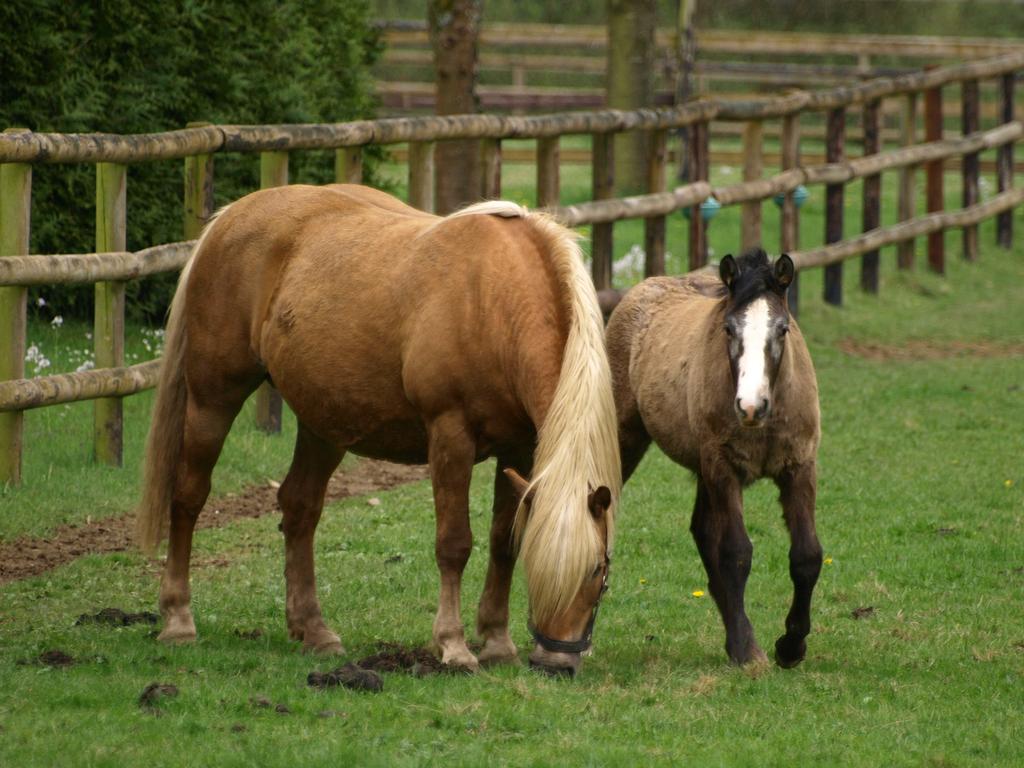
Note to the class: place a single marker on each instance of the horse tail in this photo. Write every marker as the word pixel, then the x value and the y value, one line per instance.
pixel 167 425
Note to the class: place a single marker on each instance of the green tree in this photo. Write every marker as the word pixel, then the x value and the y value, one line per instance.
pixel 126 67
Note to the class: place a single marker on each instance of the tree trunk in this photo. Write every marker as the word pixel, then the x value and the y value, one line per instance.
pixel 454 33
pixel 631 25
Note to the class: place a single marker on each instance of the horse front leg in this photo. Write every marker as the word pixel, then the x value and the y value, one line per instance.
pixel 452 453
pixel 492 615
pixel 727 553
pixel 798 490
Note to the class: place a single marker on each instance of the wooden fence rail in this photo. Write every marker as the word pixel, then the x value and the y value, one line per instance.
pixel 199 144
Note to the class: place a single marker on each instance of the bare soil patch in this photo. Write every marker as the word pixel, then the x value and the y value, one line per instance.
pixel 27 557
pixel 923 349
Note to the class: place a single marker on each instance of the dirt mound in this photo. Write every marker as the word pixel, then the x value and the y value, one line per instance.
pixel 26 557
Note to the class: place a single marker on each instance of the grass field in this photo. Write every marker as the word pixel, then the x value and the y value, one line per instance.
pixel 921 513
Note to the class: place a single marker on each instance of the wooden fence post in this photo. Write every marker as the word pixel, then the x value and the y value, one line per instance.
pixel 970 164
pixel 421 175
pixel 872 198
pixel 108 328
pixel 1004 160
pixel 603 189
pixel 490 169
pixel 790 226
pixel 933 173
pixel 753 168
pixel 699 167
pixel 273 173
pixel 15 223
pixel 834 152
pixel 198 191
pixel 654 226
pixel 908 186
pixel 348 165
pixel 548 181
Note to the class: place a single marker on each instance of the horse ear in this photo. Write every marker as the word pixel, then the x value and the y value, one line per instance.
pixel 785 270
pixel 599 501
pixel 728 270
pixel 520 485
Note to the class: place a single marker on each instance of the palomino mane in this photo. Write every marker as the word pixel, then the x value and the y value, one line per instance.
pixel 577 445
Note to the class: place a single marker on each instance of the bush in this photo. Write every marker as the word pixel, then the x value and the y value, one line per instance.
pixel 122 66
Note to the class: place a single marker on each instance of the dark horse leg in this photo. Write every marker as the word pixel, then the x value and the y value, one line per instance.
pixel 798 489
pixel 633 444
pixel 726 551
pixel 452 452
pixel 301 498
pixel 492 615
pixel 207 421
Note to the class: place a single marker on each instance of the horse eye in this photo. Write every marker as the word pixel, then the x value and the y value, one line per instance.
pixel 597 571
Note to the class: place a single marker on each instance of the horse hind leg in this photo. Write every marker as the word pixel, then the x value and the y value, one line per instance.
pixel 797 494
pixel 206 426
pixel 492 615
pixel 727 552
pixel 301 498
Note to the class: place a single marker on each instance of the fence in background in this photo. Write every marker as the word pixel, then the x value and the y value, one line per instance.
pixel 112 265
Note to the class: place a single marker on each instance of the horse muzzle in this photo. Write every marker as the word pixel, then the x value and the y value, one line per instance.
pixel 555 663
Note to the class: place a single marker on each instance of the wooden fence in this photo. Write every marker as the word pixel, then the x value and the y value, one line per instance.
pixel 197 145
pixel 534 67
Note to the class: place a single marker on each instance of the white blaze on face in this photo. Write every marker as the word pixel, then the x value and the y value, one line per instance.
pixel 752 388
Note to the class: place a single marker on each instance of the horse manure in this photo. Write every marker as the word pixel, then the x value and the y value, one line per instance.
pixel 53 658
pixel 282 709
pixel 349 676
pixel 260 702
pixel 863 612
pixel 394 657
pixel 394 559
pixel 238 728
pixel 252 634
pixel 152 695
pixel 115 617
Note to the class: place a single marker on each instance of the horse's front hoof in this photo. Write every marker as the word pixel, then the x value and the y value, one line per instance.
pixel 498 652
pixel 460 660
pixel 789 651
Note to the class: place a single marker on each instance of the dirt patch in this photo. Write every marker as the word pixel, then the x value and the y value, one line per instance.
pixel 115 617
pixel 864 612
pixel 30 556
pixel 923 349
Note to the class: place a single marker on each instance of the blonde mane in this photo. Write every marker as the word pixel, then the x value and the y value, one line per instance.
pixel 577 448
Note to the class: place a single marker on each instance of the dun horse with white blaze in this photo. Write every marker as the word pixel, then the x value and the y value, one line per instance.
pixel 399 335
pixel 716 372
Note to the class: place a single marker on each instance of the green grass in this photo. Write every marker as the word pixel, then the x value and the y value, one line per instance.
pixel 921 512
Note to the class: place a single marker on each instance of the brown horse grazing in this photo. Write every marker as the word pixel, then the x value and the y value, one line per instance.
pixel 717 373
pixel 399 335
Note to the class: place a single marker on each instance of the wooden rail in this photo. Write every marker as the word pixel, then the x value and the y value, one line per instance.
pixel 199 144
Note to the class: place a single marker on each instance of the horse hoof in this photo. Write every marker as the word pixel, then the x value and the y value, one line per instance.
pixel 789 652
pixel 327 644
pixel 498 653
pixel 461 662
pixel 177 636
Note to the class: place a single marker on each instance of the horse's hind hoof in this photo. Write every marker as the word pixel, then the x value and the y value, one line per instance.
pixel 789 652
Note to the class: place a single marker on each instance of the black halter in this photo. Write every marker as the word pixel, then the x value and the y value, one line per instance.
pixel 574 646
